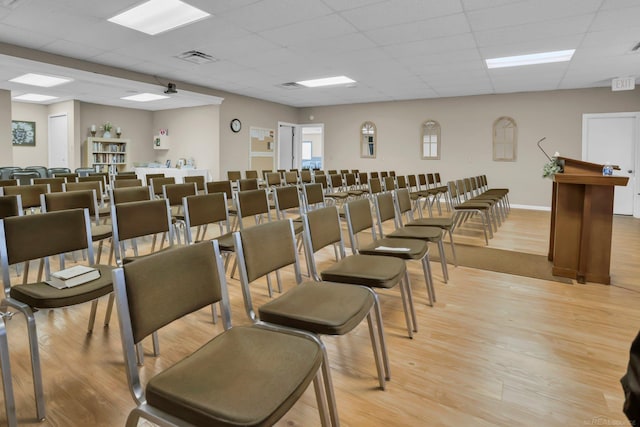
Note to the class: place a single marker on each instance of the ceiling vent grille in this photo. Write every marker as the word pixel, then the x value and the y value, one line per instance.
pixel 290 85
pixel 636 47
pixel 196 57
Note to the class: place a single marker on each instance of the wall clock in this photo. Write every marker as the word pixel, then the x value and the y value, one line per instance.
pixel 236 125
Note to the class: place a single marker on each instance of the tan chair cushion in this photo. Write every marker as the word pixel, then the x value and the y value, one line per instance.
pixel 241 377
pixel 417 248
pixel 442 222
pixel 42 295
pixel 225 242
pixel 366 270
pixel 101 231
pixel 319 307
pixel 433 234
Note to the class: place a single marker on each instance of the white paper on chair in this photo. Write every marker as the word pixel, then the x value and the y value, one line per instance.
pixel 390 249
pixel 73 276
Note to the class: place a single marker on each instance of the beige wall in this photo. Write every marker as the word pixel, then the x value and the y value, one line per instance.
pixel 467 134
pixel 234 147
pixel 38 155
pixel 136 125
pixel 193 133
pixel 6 149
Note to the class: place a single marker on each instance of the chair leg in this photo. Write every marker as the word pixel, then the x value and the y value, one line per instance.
pixel 156 343
pixel 443 261
pixel 321 401
pixel 7 384
pixel 453 247
pixel 376 352
pixel 426 268
pixel 214 313
pixel 403 296
pixel 328 387
pixel 92 316
pixel 278 281
pixel 410 301
pixel 383 341
pixel 35 359
pixel 269 286
pixel 107 314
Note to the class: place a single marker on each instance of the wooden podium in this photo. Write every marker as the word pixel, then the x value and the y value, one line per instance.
pixel 581 221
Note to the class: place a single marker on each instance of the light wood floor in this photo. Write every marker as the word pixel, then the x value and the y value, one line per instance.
pixel 496 350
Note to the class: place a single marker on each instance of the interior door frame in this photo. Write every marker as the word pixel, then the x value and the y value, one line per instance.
pixel 633 181
pixel 50 146
pixel 296 146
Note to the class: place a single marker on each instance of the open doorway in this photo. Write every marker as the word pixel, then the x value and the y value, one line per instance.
pixel 312 146
pixel 300 146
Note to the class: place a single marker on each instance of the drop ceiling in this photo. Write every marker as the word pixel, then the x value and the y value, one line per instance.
pixel 394 49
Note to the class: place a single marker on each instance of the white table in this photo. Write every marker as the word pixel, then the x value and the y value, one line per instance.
pixel 178 174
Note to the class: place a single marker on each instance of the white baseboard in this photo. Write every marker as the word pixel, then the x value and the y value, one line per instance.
pixel 532 207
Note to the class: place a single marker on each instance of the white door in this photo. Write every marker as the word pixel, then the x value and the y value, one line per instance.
pixel 614 138
pixel 285 146
pixel 58 141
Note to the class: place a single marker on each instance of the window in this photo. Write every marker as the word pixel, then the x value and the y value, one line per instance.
pixel 505 136
pixel 430 144
pixel 368 140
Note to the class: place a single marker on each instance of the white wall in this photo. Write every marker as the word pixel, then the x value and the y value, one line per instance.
pixel 6 149
pixel 38 155
pixel 193 133
pixel 467 134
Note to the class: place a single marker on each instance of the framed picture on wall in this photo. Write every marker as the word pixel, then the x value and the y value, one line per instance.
pixel 23 133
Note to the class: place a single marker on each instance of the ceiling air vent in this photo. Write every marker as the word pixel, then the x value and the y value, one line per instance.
pixel 290 85
pixel 196 57
pixel 636 47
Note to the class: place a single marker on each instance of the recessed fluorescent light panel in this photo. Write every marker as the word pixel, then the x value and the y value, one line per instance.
pixel 40 80
pixel 156 16
pixel 535 58
pixel 327 81
pixel 144 97
pixel 34 97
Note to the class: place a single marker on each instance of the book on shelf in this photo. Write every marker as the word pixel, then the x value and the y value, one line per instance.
pixel 73 276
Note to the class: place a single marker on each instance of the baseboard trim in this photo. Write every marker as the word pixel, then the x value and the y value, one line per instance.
pixel 532 207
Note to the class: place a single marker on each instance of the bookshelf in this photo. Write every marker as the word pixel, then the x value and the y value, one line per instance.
pixel 106 154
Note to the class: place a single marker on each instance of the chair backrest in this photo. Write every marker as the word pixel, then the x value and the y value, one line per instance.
pixel 30 193
pixel 8 182
pixel 403 204
pixel 175 192
pixel 422 180
pixel 322 180
pixel 24 177
pixel 332 171
pixel 253 203
pixel 383 175
pixel 123 176
pixel 5 171
pixel 431 179
pixel 248 184
pixel 199 180
pixel 220 187
pixel 158 183
pixel 385 210
pixel 350 179
pixel 10 206
pixel 322 228
pixel 413 182
pixel 205 209
pixel 234 175
pixel 263 249
pixel 53 171
pixel 392 173
pixel 363 178
pixel 82 172
pixel 374 175
pixel 143 286
pixel 85 199
pixel 265 172
pixel 148 177
pixel 374 186
pixel 55 184
pixel 102 178
pixel 291 178
pixel 86 185
pixel 401 182
pixel 273 179
pixel 137 219
pixel 389 183
pixel 251 174
pixel 318 172
pixel 358 216
pixel 336 181
pixel 130 194
pixel 313 195
pixel 305 176
pixel 286 198
pixel 31 237
pixel 122 183
pixel 68 177
pixel 44 173
pixel 437 178
pixel 344 171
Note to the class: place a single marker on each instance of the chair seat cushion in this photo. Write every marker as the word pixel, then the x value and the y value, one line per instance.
pixel 297 227
pixel 101 231
pixel 338 195
pixel 319 307
pixel 129 259
pixel 42 295
pixel 433 234
pixel 225 242
pixel 442 222
pixel 417 249
pixel 244 376
pixel 366 270
pixel 104 211
pixel 473 205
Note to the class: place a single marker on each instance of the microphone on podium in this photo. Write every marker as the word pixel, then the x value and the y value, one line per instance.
pixel 542 149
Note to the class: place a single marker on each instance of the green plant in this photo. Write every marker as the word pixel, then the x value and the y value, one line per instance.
pixel 107 127
pixel 551 168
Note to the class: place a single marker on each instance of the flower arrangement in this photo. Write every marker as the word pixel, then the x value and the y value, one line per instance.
pixel 106 127
pixel 553 167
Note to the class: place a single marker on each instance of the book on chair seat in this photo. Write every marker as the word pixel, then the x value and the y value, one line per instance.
pixel 73 276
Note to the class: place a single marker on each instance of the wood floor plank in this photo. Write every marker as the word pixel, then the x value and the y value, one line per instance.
pixel 495 350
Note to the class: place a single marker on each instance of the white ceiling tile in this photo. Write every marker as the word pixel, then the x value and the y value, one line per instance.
pixel 301 32
pixel 617 18
pixel 420 30
pixel 485 4
pixel 398 12
pixel 430 47
pixel 268 14
pixel 533 46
